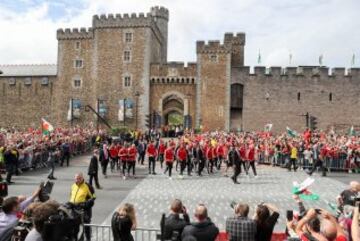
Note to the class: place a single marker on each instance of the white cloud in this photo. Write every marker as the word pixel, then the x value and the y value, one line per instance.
pixel 305 28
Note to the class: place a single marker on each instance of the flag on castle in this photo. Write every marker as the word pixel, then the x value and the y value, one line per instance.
pixel 268 127
pixel 46 127
pixel 352 131
pixel 291 132
pixel 353 60
pixel 259 57
pixel 321 58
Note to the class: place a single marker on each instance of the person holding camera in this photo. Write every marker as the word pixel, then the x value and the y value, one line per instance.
pixel 83 197
pixel 202 230
pixel 266 217
pixel 40 216
pixel 175 223
pixel 122 222
pixel 11 208
pixel 241 227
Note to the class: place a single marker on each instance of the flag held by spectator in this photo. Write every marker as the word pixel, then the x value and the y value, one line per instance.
pixel 352 131
pixel 291 133
pixel 268 127
pixel 46 127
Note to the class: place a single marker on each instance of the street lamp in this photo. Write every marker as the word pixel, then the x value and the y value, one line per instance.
pixel 137 95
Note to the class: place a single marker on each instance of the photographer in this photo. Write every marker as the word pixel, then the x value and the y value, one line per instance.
pixel 174 224
pixel 12 209
pixel 355 233
pixel 39 216
pixel 83 197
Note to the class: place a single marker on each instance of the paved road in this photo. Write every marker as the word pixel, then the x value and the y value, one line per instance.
pixel 151 194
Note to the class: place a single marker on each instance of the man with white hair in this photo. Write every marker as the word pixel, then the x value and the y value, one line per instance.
pixel 348 196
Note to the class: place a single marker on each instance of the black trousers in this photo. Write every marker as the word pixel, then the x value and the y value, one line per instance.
pixel 189 166
pixel 65 156
pixel 169 166
pixel 211 165
pixel 182 166
pixel 131 165
pixel 123 167
pixel 141 158
pixel 161 159
pixel 10 172
pixel 201 166
pixel 292 163
pixel 104 165
pixel 252 165
pixel 96 178
pixel 318 163
pixel 243 164
pixel 237 171
pixel 151 164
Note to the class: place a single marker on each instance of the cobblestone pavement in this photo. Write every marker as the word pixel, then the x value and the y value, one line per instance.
pixel 152 195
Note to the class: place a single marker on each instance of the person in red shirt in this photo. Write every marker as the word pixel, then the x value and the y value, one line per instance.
pixel 161 151
pixel 131 159
pixel 209 159
pixel 242 152
pixel 151 153
pixel 251 158
pixel 123 158
pixel 169 156
pixel 181 155
pixel 113 151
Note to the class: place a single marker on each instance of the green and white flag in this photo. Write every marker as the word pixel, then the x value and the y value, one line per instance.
pixel 352 131
pixel 291 133
pixel 259 57
pixel 268 127
pixel 321 58
pixel 353 60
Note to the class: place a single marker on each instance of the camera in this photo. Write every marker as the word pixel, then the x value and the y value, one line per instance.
pixel 21 230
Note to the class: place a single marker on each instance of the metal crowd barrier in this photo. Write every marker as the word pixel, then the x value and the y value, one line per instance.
pixel 338 163
pixel 104 233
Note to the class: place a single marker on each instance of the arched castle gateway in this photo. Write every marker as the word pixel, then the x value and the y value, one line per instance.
pixel 125 57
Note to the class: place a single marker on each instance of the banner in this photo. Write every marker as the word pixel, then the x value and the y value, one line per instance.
pixel 102 108
pixel 121 112
pixel 129 106
pixel 74 109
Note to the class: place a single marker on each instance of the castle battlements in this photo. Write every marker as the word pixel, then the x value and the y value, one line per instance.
pixel 301 71
pixel 212 46
pixel 234 39
pixel 74 33
pixel 160 12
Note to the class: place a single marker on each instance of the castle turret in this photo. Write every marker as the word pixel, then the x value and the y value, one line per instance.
pixel 161 17
pixel 236 43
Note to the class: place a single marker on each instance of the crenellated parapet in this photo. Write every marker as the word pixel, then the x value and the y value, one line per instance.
pixel 173 72
pixel 160 12
pixel 121 21
pixel 234 39
pixel 75 33
pixel 213 46
pixel 301 71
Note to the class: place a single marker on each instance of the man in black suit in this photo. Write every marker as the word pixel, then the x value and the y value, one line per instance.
pixel 200 156
pixel 234 158
pixel 176 221
pixel 93 169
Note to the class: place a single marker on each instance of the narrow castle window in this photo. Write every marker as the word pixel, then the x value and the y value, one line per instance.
pixel 77 83
pixel 77 45
pixel 78 63
pixel 127 81
pixel 330 97
pixel 127 56
pixel 298 96
pixel 128 37
pixel 27 81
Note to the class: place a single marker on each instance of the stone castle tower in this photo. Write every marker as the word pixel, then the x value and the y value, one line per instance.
pixel 125 57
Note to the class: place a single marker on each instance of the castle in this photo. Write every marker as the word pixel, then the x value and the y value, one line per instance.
pixel 125 57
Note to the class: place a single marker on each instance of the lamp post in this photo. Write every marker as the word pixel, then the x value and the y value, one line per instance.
pixel 137 95
pixel 71 111
pixel 97 110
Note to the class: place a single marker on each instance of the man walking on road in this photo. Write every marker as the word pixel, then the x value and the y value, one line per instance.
pixel 94 169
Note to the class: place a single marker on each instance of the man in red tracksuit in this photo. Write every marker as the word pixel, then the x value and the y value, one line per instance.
pixel 181 155
pixel 161 150
pixel 151 153
pixel 131 159
pixel 169 156
pixel 242 152
pixel 209 158
pixel 123 158
pixel 251 157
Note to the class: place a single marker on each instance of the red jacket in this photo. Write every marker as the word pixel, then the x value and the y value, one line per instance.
pixel 113 152
pixel 162 148
pixel 209 153
pixel 123 154
pixel 182 154
pixel 132 153
pixel 169 155
pixel 151 150
pixel 251 154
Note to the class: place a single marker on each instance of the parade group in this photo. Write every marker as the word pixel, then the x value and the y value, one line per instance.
pixel 189 153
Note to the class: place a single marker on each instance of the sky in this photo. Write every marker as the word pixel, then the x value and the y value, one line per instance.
pixel 305 29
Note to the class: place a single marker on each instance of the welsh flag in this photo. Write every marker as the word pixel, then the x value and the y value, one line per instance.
pixel 291 133
pixel 352 131
pixel 268 127
pixel 46 127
